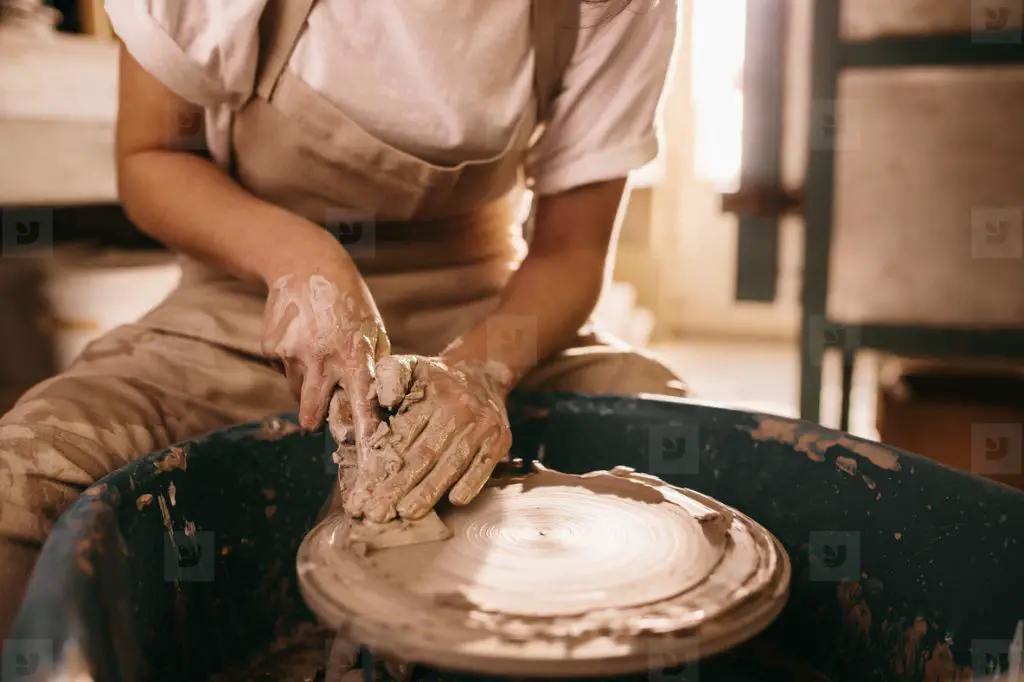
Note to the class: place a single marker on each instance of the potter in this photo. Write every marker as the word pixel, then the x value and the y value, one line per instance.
pixel 328 216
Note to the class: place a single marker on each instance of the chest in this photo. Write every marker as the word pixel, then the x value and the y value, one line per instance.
pixel 440 79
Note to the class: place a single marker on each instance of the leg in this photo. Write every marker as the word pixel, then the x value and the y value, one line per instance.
pixel 602 365
pixel 132 392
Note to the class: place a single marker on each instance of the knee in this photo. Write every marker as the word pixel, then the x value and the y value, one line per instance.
pixel 633 373
pixel 605 371
pixel 42 470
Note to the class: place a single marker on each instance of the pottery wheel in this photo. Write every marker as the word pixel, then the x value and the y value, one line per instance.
pixel 556 575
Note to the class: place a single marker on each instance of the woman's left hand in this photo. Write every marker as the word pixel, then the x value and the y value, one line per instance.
pixel 448 431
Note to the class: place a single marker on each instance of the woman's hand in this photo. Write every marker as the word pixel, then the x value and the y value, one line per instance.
pixel 448 432
pixel 324 327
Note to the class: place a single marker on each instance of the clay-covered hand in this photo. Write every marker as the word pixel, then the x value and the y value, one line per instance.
pixel 327 332
pixel 448 429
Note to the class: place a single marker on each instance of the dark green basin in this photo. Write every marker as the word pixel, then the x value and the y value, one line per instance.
pixel 182 565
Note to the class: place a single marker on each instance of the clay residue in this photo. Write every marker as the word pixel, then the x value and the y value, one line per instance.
pixel 393 381
pixel 941 667
pixel 92 538
pixel 597 482
pixel 398 532
pixel 847 465
pixel 276 429
pixel 166 514
pixel 856 613
pixel 174 458
pixel 96 490
pixel 814 441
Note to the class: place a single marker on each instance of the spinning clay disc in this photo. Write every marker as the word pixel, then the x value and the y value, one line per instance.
pixel 556 575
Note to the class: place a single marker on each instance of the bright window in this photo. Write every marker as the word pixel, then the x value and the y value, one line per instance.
pixel 718 44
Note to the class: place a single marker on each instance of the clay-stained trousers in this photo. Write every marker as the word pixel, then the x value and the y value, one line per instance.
pixel 137 390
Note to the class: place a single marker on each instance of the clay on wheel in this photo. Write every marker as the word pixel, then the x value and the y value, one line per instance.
pixel 556 575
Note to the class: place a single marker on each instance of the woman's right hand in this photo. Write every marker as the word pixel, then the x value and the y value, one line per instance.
pixel 323 326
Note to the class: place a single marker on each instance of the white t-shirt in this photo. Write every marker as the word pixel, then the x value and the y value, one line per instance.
pixel 444 80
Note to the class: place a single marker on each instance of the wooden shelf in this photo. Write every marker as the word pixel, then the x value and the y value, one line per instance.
pixel 58 105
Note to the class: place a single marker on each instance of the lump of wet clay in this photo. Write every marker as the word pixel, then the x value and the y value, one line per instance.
pixel 394 376
pixel 394 533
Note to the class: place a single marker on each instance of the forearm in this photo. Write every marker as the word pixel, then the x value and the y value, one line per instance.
pixel 187 203
pixel 555 290
pixel 543 307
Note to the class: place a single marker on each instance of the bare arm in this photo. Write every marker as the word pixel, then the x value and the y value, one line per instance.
pixel 321 321
pixel 186 202
pixel 558 285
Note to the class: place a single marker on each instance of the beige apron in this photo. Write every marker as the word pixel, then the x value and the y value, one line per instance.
pixel 436 245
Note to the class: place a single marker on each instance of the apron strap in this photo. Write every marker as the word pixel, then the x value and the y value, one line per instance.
pixel 556 25
pixel 281 25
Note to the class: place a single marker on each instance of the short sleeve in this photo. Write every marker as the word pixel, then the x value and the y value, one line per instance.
pixel 603 124
pixel 203 50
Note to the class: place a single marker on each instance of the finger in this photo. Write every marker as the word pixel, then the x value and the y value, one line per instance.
pixel 380 462
pixel 450 467
pixel 339 418
pixel 314 398
pixel 494 449
pixel 277 321
pixel 420 457
pixel 294 375
pixel 394 376
pixel 364 408
pixel 383 347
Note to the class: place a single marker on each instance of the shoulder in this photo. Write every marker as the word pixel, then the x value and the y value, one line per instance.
pixel 604 121
pixel 205 51
pixel 606 26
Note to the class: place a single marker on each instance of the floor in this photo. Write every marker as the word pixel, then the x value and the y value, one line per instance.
pixel 764 376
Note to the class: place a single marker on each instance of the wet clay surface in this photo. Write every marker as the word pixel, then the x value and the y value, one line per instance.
pixel 551 572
